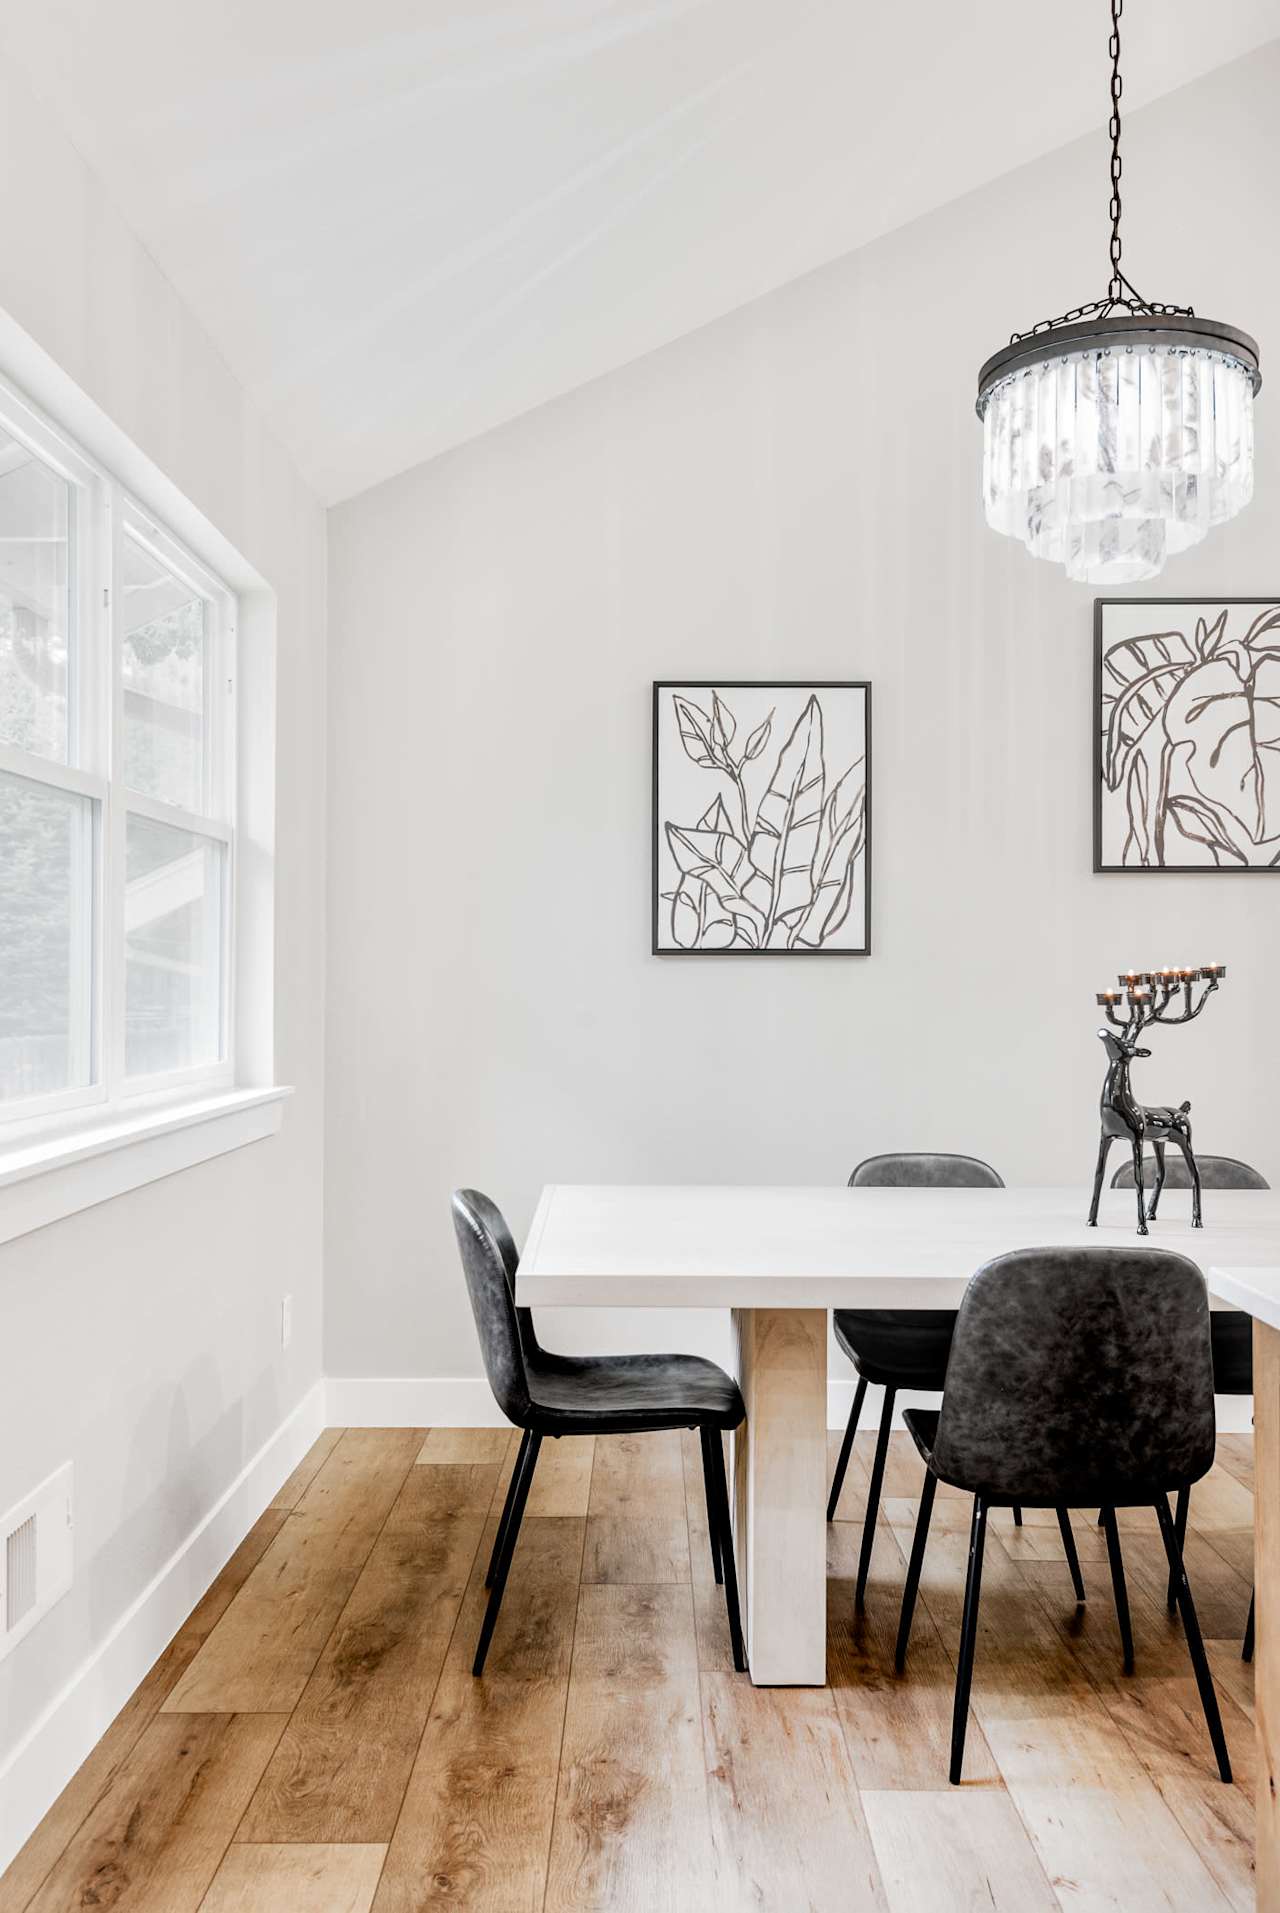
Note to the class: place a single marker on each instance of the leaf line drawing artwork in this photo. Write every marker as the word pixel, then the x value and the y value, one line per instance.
pixel 1188 738
pixel 763 852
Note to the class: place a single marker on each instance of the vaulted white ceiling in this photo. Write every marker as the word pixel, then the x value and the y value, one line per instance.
pixel 403 221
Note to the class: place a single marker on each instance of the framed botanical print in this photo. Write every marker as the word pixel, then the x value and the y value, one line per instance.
pixel 761 819
pixel 1186 734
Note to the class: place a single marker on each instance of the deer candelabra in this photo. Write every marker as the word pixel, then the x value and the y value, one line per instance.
pixel 1151 996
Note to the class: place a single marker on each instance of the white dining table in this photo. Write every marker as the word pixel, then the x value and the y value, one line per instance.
pixel 779 1259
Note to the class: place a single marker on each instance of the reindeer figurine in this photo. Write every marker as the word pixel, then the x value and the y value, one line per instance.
pixel 1150 998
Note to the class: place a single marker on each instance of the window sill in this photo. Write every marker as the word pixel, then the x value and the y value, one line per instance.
pixel 43 1180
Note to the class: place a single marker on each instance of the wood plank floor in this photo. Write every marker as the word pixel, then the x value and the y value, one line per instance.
pixel 312 1740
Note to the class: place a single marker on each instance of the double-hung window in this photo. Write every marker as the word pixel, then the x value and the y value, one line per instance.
pixel 117 788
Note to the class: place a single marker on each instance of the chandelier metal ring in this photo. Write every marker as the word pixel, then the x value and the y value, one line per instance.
pixel 1119 332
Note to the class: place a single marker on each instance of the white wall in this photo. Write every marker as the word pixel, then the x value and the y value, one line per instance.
pixel 793 491
pixel 141 1339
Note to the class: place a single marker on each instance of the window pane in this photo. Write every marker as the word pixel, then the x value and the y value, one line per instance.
pixel 35 517
pixel 173 948
pixel 163 666
pixel 46 917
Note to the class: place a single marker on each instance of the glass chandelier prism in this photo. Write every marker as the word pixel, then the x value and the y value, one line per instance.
pixel 1115 436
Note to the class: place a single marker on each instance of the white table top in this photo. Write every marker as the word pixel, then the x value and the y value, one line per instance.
pixel 1257 1291
pixel 728 1247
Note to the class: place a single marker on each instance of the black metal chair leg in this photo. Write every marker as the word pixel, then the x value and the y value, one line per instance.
pixel 846 1447
pixel 1180 1525
pixel 709 1435
pixel 1195 1644
pixel 506 1509
pixel 914 1566
pixel 1017 1515
pixel 502 1566
pixel 1069 1549
pixel 725 1526
pixel 1246 1651
pixel 873 1496
pixel 1118 1587
pixel 968 1637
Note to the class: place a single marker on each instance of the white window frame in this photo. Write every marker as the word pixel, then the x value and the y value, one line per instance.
pixel 102 515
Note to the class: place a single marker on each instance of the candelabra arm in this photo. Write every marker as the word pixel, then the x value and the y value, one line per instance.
pixel 1190 1010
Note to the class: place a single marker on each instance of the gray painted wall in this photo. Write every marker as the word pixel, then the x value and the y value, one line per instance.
pixel 793 491
pixel 141 1339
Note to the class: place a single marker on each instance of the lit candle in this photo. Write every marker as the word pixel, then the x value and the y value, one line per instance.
pixel 1108 997
pixel 1214 971
pixel 1130 978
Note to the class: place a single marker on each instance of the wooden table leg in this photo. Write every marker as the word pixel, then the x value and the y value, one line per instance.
pixel 1266 1550
pixel 780 1479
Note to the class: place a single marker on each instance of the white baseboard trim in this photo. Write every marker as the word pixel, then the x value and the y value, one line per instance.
pixel 840 1401
pixel 39 1767
pixel 412 1401
pixel 464 1401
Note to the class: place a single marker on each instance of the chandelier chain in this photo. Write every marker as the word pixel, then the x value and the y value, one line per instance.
pixel 1120 292
pixel 1115 289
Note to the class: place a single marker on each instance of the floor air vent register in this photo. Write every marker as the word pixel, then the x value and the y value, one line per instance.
pixel 36 1558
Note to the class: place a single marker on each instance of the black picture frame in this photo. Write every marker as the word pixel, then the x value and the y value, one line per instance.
pixel 722 686
pixel 1102 868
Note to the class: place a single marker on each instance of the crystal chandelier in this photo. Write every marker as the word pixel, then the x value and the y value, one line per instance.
pixel 1115 436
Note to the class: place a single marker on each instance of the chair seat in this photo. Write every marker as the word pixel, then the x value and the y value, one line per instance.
pixel 618 1394
pixel 922 1426
pixel 897 1348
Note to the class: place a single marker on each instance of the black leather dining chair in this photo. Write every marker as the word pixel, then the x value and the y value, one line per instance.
pixel 1216 1172
pixel 558 1395
pixel 1077 1378
pixel 1231 1331
pixel 905 1348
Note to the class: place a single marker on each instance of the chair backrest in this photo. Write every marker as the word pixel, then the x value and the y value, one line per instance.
pixel 1079 1377
pixel 489 1260
pixel 924 1170
pixel 494 1220
pixel 1216 1172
